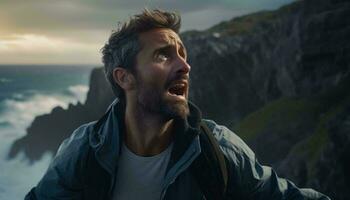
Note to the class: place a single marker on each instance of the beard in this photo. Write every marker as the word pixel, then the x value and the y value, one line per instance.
pixel 155 100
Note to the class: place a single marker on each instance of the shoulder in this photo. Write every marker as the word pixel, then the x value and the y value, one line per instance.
pixel 70 158
pixel 66 171
pixel 230 143
pixel 77 142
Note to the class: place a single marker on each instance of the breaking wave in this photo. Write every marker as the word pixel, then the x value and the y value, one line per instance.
pixel 16 114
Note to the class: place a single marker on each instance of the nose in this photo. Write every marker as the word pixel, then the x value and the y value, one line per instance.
pixel 182 67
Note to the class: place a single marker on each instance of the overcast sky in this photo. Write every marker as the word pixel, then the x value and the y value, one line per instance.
pixel 73 31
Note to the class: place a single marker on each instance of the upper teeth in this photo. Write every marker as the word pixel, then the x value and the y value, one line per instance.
pixel 178 86
pixel 177 89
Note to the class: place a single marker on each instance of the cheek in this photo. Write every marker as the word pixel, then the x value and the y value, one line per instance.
pixel 156 75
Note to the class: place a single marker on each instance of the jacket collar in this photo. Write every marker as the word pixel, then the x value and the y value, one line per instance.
pixel 106 137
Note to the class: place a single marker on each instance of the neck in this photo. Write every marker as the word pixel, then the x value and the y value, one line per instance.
pixel 146 134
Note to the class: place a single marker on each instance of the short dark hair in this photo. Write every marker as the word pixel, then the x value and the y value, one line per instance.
pixel 123 44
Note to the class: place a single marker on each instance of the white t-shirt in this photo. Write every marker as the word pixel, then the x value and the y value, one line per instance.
pixel 140 177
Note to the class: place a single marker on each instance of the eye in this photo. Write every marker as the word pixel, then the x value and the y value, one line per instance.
pixel 162 56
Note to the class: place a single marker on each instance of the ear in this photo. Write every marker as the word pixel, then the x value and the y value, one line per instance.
pixel 124 78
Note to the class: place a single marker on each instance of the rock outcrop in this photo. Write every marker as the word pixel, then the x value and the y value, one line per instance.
pixel 48 131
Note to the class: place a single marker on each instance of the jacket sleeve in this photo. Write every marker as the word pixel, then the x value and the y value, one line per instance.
pixel 261 182
pixel 63 178
pixel 251 180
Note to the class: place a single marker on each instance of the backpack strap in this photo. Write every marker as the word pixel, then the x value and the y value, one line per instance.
pixel 210 168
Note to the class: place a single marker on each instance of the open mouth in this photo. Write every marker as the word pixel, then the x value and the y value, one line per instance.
pixel 178 89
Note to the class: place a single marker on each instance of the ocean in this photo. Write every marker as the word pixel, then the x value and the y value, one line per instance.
pixel 25 92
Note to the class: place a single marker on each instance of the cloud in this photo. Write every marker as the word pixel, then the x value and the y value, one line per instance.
pixel 103 14
pixel 23 49
pixel 211 15
pixel 63 31
pixel 42 44
pixel 28 42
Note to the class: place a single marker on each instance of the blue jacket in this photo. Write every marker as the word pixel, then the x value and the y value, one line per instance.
pixel 75 174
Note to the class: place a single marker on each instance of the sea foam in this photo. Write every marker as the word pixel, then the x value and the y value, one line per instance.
pixel 79 92
pixel 17 175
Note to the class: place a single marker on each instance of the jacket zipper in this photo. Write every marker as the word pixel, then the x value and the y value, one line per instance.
pixel 189 160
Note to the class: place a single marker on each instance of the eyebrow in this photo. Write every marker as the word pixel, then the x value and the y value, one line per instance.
pixel 182 48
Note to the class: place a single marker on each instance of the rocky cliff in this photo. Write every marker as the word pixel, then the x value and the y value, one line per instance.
pixel 48 131
pixel 280 79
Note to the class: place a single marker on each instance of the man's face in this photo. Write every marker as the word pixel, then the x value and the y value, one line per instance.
pixel 162 74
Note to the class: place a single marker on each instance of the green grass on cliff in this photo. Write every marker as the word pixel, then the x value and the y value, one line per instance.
pixel 277 113
pixel 286 111
pixel 333 102
pixel 313 146
pixel 316 143
pixel 318 109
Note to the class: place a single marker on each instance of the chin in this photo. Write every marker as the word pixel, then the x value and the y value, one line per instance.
pixel 177 110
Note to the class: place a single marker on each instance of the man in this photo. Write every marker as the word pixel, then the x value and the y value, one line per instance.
pixel 150 137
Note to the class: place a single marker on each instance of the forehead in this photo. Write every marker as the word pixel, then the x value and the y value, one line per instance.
pixel 159 37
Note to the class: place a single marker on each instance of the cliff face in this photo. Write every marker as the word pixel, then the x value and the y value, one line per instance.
pixel 241 65
pixel 280 79
pixel 48 131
